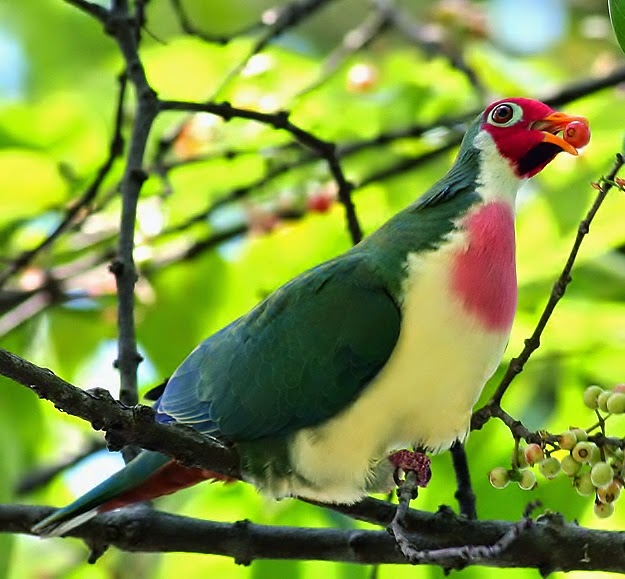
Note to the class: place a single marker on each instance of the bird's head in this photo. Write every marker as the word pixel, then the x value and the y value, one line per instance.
pixel 525 132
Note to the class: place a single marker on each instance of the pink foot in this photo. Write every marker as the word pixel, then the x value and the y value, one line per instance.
pixel 408 460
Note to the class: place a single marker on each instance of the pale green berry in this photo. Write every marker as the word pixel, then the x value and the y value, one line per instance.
pixel 591 394
pixel 499 477
pixel 595 454
pixel 570 466
pixel 616 403
pixel 583 485
pixel 550 467
pixel 528 480
pixel 604 510
pixel 534 453
pixel 521 461
pixel 616 459
pixel 602 400
pixel 582 451
pixel 567 440
pixel 580 434
pixel 609 493
pixel 601 474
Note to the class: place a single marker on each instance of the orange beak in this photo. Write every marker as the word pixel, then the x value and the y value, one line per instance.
pixel 553 124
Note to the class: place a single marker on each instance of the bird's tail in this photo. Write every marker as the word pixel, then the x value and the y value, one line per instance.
pixel 149 475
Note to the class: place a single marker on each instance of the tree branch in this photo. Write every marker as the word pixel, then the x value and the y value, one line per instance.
pixel 547 545
pixel 120 25
pixel 124 425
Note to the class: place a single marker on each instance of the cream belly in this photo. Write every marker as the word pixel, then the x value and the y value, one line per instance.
pixel 422 397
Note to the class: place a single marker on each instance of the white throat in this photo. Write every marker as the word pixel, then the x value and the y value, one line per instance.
pixel 496 181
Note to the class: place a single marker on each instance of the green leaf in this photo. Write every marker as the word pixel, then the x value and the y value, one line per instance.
pixel 617 16
pixel 30 182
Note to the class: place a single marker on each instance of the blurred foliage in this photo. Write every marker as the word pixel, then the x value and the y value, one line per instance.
pixel 57 105
pixel 617 15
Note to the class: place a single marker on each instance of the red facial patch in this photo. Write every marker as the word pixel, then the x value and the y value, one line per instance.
pixel 484 274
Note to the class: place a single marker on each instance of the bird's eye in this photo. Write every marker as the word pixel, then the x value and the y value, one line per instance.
pixel 502 114
pixel 505 114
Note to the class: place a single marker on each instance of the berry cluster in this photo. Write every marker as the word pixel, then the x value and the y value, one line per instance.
pixel 594 462
pixel 610 401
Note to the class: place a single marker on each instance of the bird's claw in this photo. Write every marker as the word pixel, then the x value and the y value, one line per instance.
pixel 406 461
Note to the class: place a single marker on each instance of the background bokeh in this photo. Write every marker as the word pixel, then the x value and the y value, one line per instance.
pixel 58 92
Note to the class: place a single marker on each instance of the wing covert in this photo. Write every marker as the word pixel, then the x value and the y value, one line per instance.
pixel 295 360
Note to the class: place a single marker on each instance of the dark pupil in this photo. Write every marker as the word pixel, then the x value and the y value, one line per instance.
pixel 503 114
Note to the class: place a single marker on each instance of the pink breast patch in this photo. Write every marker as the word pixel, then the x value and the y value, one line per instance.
pixel 484 272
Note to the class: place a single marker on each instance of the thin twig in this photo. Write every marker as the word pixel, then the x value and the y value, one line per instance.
pixel 481 416
pixel 468 553
pixel 90 8
pixel 190 28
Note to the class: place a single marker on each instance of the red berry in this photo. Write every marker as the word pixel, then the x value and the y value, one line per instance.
pixel 567 440
pixel 577 134
pixel 321 200
pixel 319 203
pixel 533 454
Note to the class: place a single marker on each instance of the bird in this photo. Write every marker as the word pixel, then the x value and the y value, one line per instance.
pixel 385 347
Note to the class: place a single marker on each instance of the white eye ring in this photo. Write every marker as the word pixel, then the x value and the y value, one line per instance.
pixel 517 115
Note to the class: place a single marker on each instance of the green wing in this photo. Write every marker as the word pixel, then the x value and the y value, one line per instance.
pixel 295 360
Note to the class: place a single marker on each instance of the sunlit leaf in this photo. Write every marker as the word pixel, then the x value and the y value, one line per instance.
pixel 29 181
